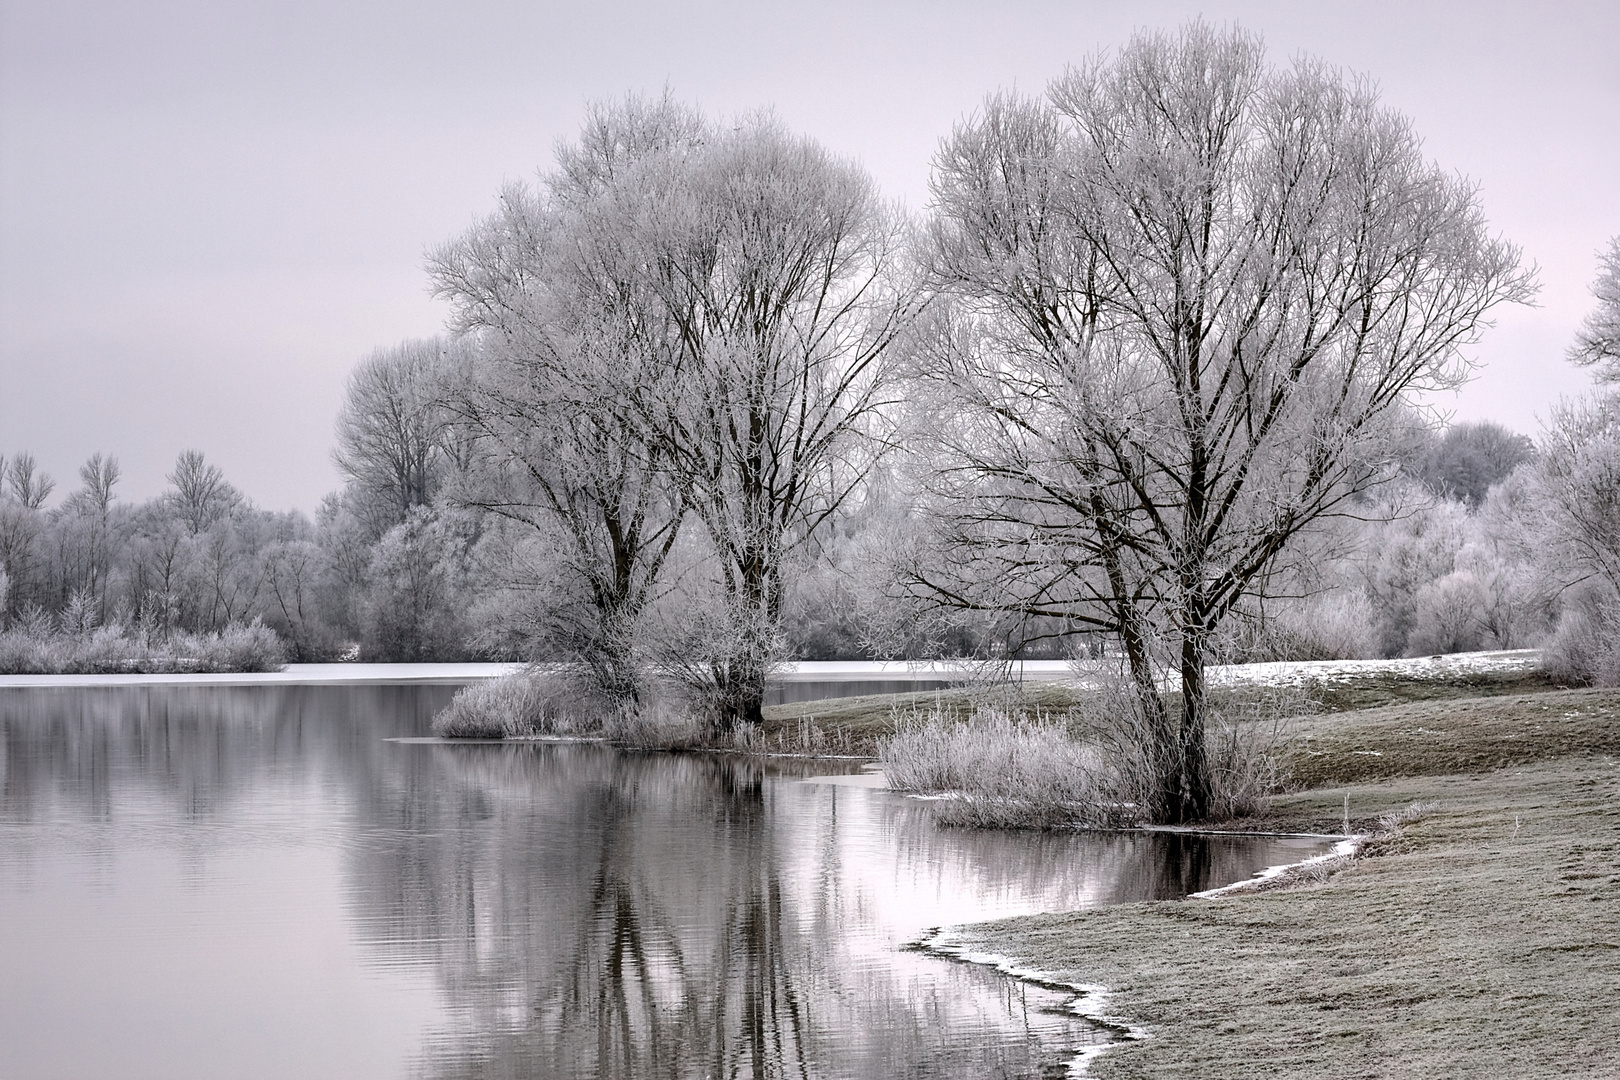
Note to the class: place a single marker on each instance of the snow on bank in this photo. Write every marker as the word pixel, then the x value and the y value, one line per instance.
pixel 1083 673
pixel 1422 668
pixel 1344 849
pixel 812 671
pixel 833 671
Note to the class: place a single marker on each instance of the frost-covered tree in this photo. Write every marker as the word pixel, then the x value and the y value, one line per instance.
pixel 28 487
pixel 572 356
pixel 685 315
pixel 1186 300
pixel 200 494
pixel 1466 460
pixel 1598 343
pixel 395 442
pixel 784 273
pixel 1579 474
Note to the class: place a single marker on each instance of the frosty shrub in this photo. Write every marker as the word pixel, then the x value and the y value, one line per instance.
pixel 527 702
pixel 661 722
pixel 1339 625
pixel 1585 650
pixel 1448 616
pixel 1091 767
pixel 254 647
pixel 22 653
pixel 1000 771
pixel 34 646
pixel 1247 727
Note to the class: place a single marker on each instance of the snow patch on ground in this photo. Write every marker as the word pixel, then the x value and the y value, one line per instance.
pixel 1438 668
pixel 1344 849
pixel 1426 668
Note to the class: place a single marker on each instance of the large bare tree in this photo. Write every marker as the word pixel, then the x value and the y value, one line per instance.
pixel 573 355
pixel 782 271
pixel 1186 300
pixel 684 317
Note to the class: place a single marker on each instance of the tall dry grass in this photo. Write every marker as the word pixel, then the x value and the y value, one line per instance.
pixel 999 770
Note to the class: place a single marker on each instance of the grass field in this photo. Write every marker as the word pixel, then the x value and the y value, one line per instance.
pixel 1482 940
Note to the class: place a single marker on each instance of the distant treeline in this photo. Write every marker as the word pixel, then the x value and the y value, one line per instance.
pixel 398 566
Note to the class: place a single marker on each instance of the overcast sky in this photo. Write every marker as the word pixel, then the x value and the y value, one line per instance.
pixel 209 211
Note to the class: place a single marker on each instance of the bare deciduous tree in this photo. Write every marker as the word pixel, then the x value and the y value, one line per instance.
pixel 100 475
pixel 1188 299
pixel 572 350
pixel 1598 343
pixel 782 270
pixel 685 316
pixel 86 533
pixel 201 495
pixel 394 438
pixel 28 487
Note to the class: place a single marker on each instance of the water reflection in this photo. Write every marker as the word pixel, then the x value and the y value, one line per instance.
pixel 500 911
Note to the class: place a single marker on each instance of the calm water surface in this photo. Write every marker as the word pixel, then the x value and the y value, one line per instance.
pixel 264 882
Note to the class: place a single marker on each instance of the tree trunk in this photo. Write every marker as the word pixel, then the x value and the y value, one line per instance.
pixel 740 676
pixel 1192 795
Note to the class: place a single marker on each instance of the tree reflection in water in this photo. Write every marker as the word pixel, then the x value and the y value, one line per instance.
pixel 648 916
pixel 586 912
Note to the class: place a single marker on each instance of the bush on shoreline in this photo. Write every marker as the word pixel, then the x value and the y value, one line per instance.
pixel 1087 766
pixel 114 649
pixel 1000 771
pixel 535 702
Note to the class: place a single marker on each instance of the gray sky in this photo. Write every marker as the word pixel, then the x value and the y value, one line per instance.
pixel 209 211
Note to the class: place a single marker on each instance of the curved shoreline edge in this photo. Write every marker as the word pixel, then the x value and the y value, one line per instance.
pixel 956 943
pixel 1089 1001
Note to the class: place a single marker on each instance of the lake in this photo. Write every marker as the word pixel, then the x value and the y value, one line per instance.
pixel 283 880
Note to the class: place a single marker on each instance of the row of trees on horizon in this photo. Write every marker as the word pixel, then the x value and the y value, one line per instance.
pixel 1146 377
pixel 384 574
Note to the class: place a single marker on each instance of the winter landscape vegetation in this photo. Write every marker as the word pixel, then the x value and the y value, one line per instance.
pixel 1145 391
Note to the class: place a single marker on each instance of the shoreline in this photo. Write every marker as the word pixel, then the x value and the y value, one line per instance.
pixel 1089 1000
pixel 290 675
pixel 1483 939
pixel 830 671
